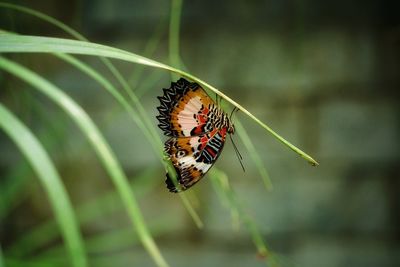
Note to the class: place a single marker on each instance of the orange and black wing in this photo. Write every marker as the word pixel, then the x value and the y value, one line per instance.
pixel 192 157
pixel 184 110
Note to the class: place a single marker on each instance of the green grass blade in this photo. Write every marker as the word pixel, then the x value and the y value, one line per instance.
pixel 135 100
pixel 253 154
pixel 143 122
pixel 106 62
pixel 104 205
pixel 51 181
pixel 46 18
pixel 174 27
pixel 34 44
pixel 13 190
pixel 154 139
pixel 155 142
pixel 100 146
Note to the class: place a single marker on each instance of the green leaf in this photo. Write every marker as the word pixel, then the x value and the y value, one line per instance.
pixel 51 181
pixel 35 44
pixel 89 212
pixel 153 138
pixel 100 146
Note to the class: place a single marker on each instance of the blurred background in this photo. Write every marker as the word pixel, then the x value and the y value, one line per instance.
pixel 323 74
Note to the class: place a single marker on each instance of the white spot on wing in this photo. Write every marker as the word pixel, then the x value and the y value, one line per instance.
pixel 190 160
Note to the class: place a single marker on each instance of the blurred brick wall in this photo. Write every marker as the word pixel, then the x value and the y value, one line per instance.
pixel 323 74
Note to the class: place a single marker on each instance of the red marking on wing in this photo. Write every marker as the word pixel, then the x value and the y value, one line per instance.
pixel 189 113
pixel 197 130
pixel 223 132
pixel 202 118
pixel 209 150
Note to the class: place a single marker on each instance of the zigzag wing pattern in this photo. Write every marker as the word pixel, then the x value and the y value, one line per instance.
pixel 169 101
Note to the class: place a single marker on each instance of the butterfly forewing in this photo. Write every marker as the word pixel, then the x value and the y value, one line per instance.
pixel 184 110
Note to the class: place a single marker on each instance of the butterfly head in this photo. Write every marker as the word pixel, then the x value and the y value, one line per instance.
pixel 231 128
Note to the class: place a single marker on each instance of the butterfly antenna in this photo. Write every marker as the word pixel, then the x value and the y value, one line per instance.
pixel 217 99
pixel 239 156
pixel 233 110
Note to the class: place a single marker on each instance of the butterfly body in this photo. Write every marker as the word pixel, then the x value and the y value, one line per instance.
pixel 197 128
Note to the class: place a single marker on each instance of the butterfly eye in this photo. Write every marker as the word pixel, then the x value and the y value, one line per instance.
pixel 180 153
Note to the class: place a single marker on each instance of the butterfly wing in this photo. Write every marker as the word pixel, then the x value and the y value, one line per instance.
pixel 193 156
pixel 184 110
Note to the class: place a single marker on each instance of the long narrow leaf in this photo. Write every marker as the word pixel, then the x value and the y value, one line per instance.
pixel 143 120
pixel 51 181
pixel 155 142
pixel 154 139
pixel 106 61
pixel 35 44
pixel 86 213
pixel 100 146
pixel 174 27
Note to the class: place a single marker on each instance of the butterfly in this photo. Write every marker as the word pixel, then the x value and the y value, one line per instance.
pixel 197 128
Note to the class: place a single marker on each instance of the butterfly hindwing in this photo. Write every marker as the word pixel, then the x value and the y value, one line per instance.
pixel 193 156
pixel 184 110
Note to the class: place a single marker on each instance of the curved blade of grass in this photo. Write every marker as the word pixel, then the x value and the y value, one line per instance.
pixel 135 100
pixel 122 81
pixel 44 17
pixel 51 181
pixel 100 146
pixel 13 192
pixel 253 154
pixel 174 27
pixel 143 121
pixel 155 141
pixel 91 72
pixel 46 232
pixel 35 44
pixel 106 62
